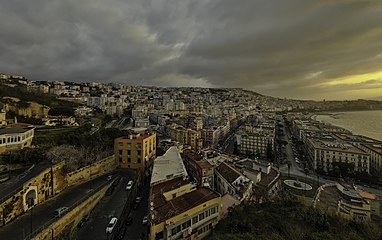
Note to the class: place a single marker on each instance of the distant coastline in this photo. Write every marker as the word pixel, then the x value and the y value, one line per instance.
pixel 367 123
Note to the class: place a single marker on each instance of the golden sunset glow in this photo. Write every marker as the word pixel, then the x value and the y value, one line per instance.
pixel 360 78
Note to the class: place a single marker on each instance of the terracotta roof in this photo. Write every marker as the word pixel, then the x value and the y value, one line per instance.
pixel 228 172
pixel 183 203
pixel 158 190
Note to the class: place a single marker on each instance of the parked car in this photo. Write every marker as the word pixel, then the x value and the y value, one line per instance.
pixel 129 185
pixel 60 211
pixel 109 191
pixel 144 221
pixel 138 199
pixel 111 225
pixel 83 221
pixel 116 181
pixel 109 177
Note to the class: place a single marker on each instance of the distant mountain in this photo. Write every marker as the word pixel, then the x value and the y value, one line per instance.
pixel 376 98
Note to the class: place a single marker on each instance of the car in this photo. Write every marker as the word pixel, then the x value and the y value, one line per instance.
pixel 83 221
pixel 116 181
pixel 144 221
pixel 111 225
pixel 138 199
pixel 109 177
pixel 109 191
pixel 122 233
pixel 60 211
pixel 129 185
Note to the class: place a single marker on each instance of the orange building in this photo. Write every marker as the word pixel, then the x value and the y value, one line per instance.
pixel 135 151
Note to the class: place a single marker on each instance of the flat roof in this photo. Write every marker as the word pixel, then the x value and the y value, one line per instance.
pixel 168 166
pixel 13 130
pixel 339 146
pixel 377 148
pixel 137 136
pixel 183 203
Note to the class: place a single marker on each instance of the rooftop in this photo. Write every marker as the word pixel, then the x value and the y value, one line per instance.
pixel 339 146
pixel 377 148
pixel 228 172
pixel 14 130
pixel 158 189
pixel 137 136
pixel 168 166
pixel 183 203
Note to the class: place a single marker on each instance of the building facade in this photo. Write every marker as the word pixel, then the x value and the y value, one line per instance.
pixel 135 151
pixel 325 154
pixel 178 208
pixel 15 138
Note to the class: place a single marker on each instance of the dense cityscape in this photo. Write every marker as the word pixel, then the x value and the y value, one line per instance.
pixel 99 160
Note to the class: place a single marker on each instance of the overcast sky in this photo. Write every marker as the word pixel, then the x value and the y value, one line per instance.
pixel 286 48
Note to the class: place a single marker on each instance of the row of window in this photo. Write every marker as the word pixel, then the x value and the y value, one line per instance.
pixel 195 220
pixel 13 139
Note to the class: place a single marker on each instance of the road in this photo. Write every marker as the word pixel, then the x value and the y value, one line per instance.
pixel 8 188
pixel 135 230
pixel 108 207
pixel 296 171
pixel 43 213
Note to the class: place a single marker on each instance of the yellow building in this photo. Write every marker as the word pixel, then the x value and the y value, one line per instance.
pixel 15 138
pixel 186 136
pixel 135 151
pixel 178 209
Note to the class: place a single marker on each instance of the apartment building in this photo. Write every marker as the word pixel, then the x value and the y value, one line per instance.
pixel 199 168
pixel 178 208
pixel 375 151
pixel 229 180
pixel 256 142
pixel 185 136
pixel 135 151
pixel 324 153
pixel 15 138
pixel 265 178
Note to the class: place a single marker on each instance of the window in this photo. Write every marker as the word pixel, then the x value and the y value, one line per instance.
pixel 128 159
pixel 201 216
pixel 129 152
pixel 159 235
pixel 138 160
pixel 187 224
pixel 194 219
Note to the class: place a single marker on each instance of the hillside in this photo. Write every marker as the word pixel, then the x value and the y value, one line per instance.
pixel 290 219
pixel 19 98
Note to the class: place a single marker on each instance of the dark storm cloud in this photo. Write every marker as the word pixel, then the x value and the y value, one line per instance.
pixel 275 47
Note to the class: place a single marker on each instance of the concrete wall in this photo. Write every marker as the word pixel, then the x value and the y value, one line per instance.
pixel 49 183
pixel 92 171
pixel 44 185
pixel 65 227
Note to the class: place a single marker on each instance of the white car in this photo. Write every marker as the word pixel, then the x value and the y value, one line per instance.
pixel 129 185
pixel 144 221
pixel 111 225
